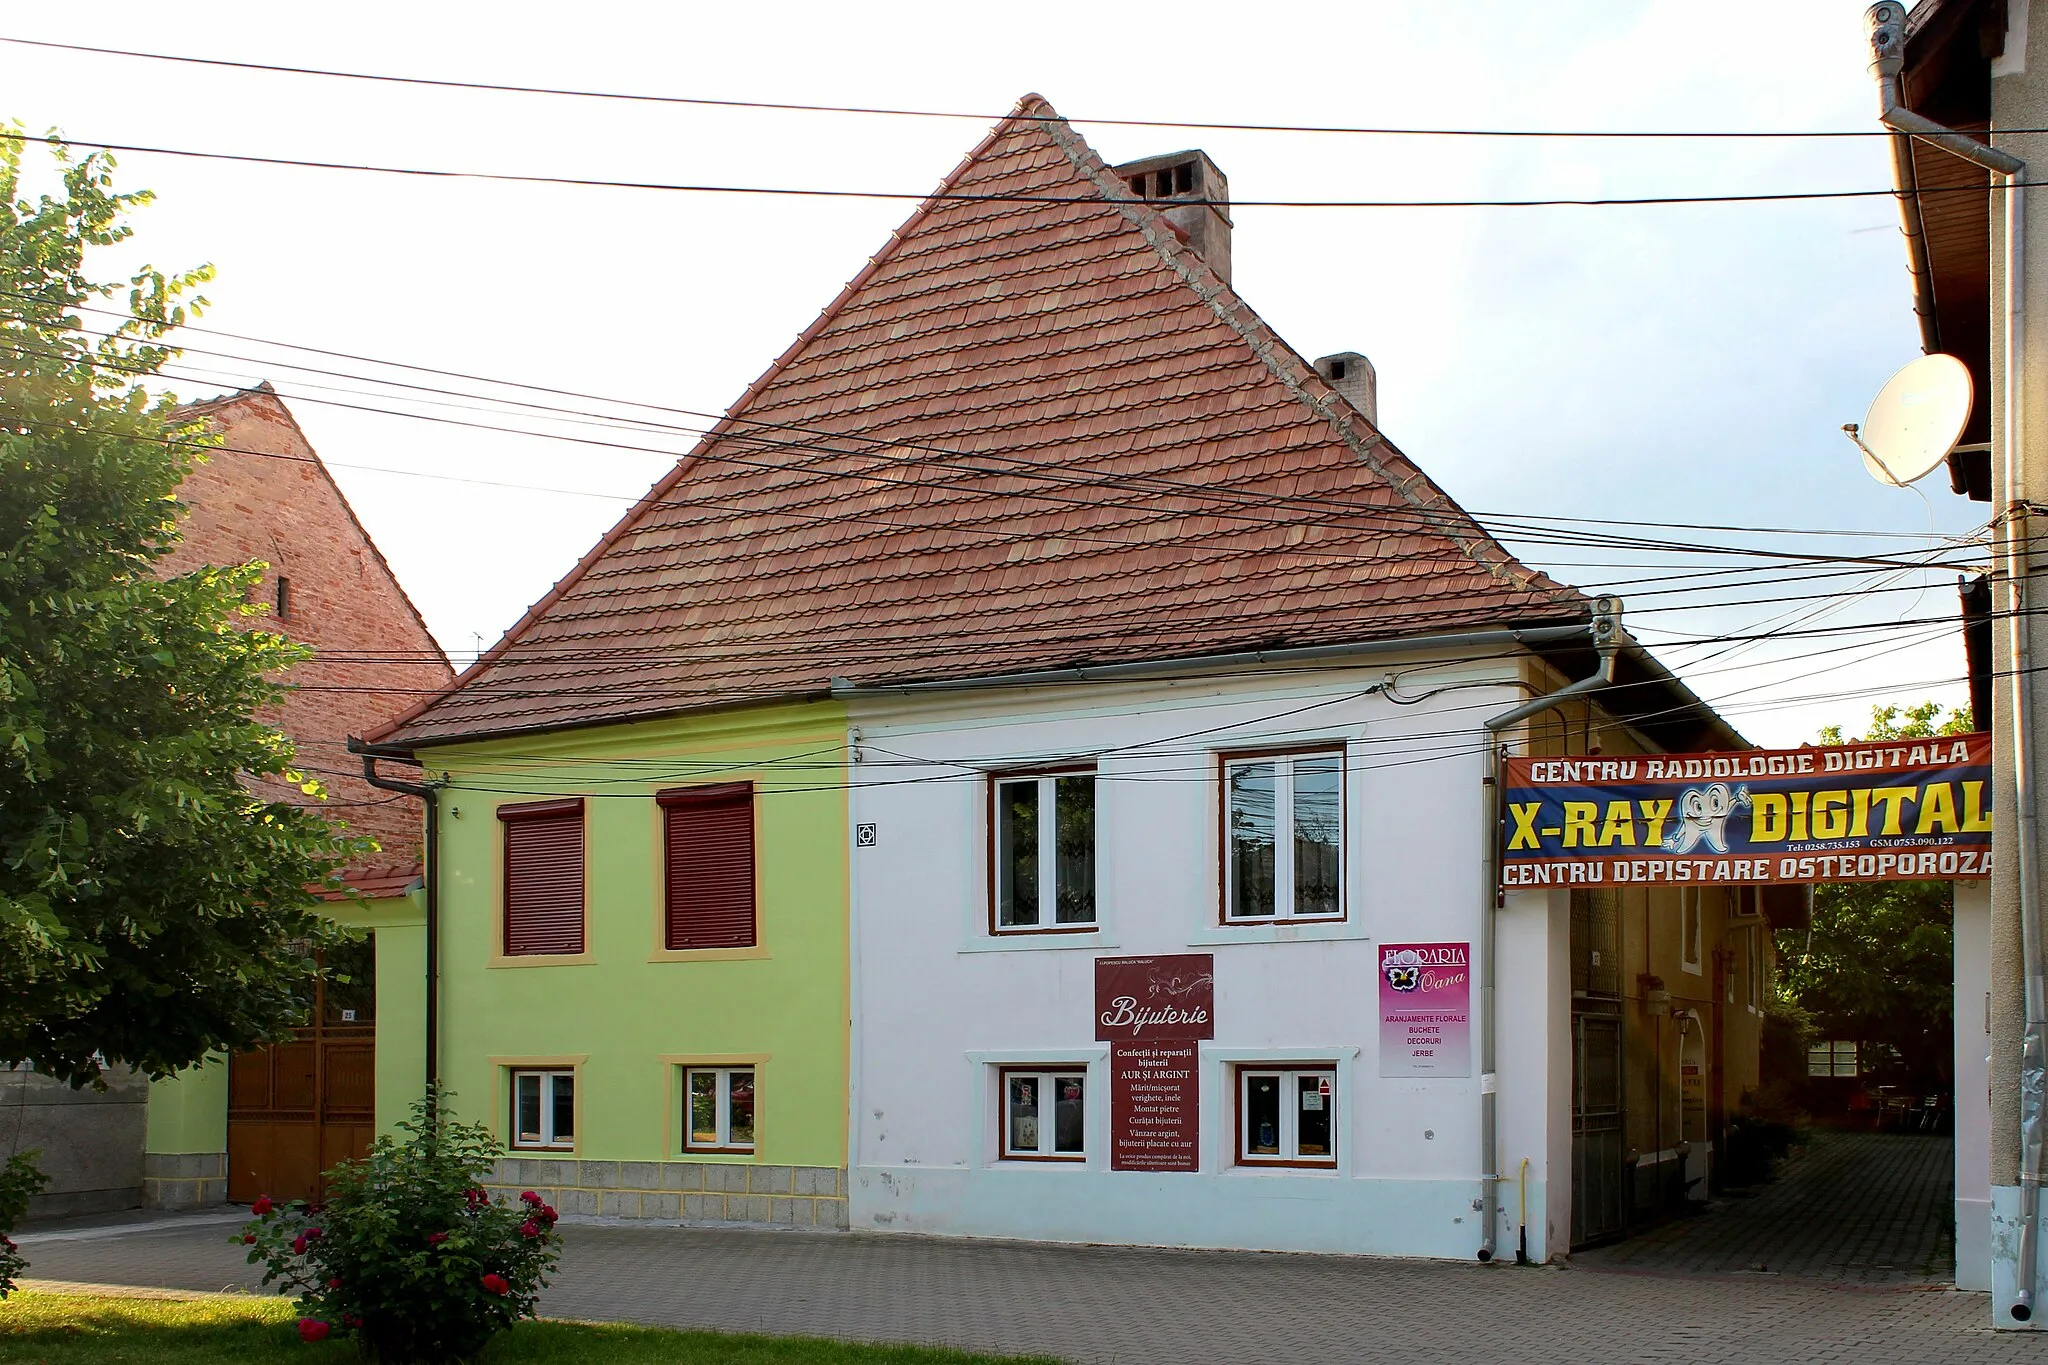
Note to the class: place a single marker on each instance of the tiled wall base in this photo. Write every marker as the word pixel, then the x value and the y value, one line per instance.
pixel 184 1180
pixel 725 1192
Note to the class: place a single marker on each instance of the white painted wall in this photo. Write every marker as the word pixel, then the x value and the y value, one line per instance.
pixel 1973 1084
pixel 940 1003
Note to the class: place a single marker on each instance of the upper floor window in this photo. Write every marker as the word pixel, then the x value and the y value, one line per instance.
pixel 708 871
pixel 1283 822
pixel 1043 861
pixel 543 877
pixel 284 598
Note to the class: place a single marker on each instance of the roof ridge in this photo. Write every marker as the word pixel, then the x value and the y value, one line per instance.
pixel 717 431
pixel 1232 311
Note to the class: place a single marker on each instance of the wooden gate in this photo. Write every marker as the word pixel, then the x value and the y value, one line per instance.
pixel 297 1108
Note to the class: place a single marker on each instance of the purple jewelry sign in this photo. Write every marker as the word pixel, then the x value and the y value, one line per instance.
pixel 1425 1009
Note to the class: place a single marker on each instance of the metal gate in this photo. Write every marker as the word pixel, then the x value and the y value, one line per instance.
pixel 1599 1139
pixel 297 1108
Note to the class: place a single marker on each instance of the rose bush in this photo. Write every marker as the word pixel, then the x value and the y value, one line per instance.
pixel 410 1254
pixel 19 1183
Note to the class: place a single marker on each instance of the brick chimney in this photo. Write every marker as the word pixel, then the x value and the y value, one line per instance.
pixel 1192 195
pixel 1351 374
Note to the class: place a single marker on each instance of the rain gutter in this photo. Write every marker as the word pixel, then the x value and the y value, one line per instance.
pixel 1886 23
pixel 431 874
pixel 1607 639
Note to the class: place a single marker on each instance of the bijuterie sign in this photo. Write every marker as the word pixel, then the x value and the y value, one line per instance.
pixel 1892 810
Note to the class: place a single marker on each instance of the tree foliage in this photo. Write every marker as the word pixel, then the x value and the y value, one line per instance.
pixel 1879 964
pixel 152 907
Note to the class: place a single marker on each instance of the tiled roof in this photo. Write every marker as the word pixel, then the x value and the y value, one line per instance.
pixel 1028 435
pixel 377 881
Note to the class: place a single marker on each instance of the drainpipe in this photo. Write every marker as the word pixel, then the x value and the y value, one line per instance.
pixel 1886 23
pixel 1607 639
pixel 425 791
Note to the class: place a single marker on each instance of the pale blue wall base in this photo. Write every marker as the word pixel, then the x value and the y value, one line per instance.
pixel 2005 1246
pixel 1973 1244
pixel 1242 1211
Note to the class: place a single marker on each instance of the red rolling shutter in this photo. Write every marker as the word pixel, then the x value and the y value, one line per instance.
pixel 710 857
pixel 543 877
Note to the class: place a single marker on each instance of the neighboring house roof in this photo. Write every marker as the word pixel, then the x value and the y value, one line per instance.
pixel 1027 435
pixel 265 495
pixel 379 881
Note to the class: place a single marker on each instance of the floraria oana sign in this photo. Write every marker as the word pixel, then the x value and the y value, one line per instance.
pixel 1897 810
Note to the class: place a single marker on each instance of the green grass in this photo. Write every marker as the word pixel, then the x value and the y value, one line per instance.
pixel 60 1329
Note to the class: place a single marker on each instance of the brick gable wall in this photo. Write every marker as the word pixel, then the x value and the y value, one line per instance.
pixel 374 657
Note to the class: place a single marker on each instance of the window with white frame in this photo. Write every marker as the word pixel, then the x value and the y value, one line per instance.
pixel 1283 837
pixel 1043 856
pixel 1044 1114
pixel 718 1108
pixel 1834 1058
pixel 1287 1115
pixel 544 1110
pixel 1690 914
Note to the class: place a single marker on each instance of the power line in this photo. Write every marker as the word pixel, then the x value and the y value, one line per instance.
pixel 897 112
pixel 957 196
pixel 778 426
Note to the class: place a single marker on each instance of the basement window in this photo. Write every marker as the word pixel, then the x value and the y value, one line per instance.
pixel 544 1110
pixel 1287 1117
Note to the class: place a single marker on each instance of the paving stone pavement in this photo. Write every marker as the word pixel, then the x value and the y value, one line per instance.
pixel 1118 1306
pixel 1850 1208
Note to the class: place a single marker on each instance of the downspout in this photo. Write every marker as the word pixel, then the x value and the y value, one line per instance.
pixel 1607 640
pixel 1887 49
pixel 431 875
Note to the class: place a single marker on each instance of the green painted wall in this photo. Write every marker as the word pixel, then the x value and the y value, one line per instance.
pixel 188 1112
pixel 625 1008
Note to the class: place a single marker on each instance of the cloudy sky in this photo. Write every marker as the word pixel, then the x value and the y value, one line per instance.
pixel 1672 364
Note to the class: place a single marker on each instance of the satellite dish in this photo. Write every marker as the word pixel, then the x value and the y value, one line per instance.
pixel 1915 420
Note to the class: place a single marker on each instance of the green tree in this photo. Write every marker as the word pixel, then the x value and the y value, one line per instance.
pixel 153 908
pixel 1879 964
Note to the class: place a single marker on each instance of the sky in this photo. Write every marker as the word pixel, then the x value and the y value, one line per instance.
pixel 1679 365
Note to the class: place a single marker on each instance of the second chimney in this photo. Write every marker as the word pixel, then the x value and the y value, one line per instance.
pixel 1192 195
pixel 1351 374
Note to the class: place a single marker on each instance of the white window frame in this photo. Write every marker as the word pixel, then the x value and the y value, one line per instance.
pixel 1692 915
pixel 1288 1074
pixel 1283 837
pixel 722 1092
pixel 1048 852
pixel 1046 1076
pixel 1834 1052
pixel 547 1078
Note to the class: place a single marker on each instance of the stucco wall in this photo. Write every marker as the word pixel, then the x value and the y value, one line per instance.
pixel 940 1003
pixel 89 1141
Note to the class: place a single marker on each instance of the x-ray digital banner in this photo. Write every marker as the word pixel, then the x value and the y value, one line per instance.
pixel 1896 810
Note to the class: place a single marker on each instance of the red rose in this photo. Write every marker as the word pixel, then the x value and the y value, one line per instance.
pixel 435 1239
pixel 299 1245
pixel 262 1207
pixel 529 1197
pixel 547 1211
pixel 314 1234
pixel 351 1321
pixel 334 1283
pixel 497 1283
pixel 248 1237
pixel 529 1228
pixel 312 1329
